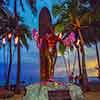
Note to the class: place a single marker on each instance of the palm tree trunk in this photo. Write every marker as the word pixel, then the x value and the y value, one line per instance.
pixel 97 53
pixel 21 3
pixel 15 9
pixel 98 59
pixel 84 72
pixel 9 67
pixel 18 68
pixel 79 64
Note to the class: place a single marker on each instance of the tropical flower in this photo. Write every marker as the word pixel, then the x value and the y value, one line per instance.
pixel 36 37
pixel 35 34
pixel 67 42
pixel 70 39
pixel 39 43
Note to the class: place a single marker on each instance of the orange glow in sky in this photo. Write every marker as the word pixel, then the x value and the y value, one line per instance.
pixel 91 67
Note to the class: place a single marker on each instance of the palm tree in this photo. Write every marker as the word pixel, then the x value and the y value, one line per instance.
pixel 98 59
pixel 8 28
pixel 94 28
pixel 95 4
pixel 31 3
pixel 5 18
pixel 22 36
pixel 96 38
pixel 72 18
pixel 12 26
pixel 22 33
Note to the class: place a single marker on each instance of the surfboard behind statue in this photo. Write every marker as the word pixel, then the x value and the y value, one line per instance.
pixel 45 22
pixel 45 25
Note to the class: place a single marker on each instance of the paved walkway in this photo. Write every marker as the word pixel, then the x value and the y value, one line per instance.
pixel 88 96
pixel 92 95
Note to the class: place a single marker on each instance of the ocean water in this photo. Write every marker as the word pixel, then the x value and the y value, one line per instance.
pixel 30 74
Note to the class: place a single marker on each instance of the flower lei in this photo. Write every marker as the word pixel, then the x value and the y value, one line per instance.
pixel 67 41
pixel 37 38
pixel 70 39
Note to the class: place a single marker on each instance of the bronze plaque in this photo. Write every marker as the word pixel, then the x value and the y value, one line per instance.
pixel 58 95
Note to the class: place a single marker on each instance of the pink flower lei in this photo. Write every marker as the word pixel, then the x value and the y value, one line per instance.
pixel 36 37
pixel 70 39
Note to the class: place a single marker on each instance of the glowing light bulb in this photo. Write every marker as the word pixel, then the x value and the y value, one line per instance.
pixel 3 41
pixel 9 36
pixel 16 40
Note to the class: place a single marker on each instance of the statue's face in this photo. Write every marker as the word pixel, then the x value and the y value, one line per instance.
pixel 49 34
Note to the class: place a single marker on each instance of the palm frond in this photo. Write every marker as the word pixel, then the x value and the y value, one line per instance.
pixel 22 6
pixel 24 42
pixel 24 29
pixel 86 18
pixel 32 4
pixel 20 18
pixel 56 10
pixel 1 3
pixel 4 13
pixel 59 28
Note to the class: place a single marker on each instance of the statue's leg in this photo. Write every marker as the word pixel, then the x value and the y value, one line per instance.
pixel 50 64
pixel 53 57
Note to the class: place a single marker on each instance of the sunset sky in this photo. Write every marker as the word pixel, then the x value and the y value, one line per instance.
pixel 32 55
